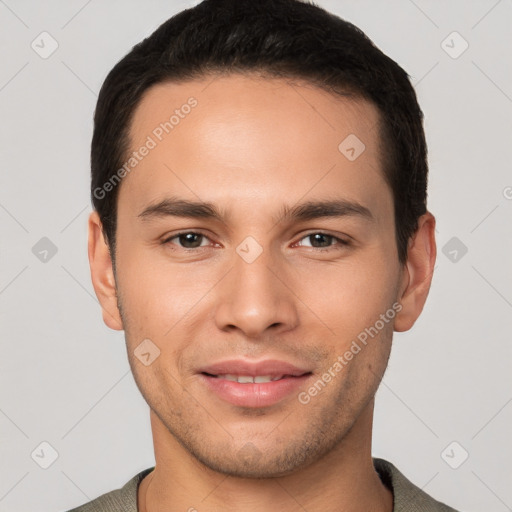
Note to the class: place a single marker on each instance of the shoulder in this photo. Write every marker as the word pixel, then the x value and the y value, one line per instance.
pixel 119 500
pixel 407 497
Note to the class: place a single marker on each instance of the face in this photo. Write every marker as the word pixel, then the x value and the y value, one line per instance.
pixel 289 267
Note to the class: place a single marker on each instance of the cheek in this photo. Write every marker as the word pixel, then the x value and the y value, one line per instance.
pixel 155 294
pixel 349 296
pixel 163 302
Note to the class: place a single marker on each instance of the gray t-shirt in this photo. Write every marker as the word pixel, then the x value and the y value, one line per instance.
pixel 406 496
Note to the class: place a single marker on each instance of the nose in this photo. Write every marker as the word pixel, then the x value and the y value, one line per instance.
pixel 254 298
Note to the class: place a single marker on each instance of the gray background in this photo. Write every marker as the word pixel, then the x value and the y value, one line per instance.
pixel 65 378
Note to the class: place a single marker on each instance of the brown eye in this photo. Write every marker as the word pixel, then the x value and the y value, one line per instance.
pixel 322 241
pixel 188 240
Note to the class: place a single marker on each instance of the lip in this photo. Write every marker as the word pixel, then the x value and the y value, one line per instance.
pixel 254 395
pixel 270 367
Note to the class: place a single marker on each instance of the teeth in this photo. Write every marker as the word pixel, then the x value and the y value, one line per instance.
pixel 262 378
pixel 247 379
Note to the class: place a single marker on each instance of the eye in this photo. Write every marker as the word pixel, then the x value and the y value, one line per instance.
pixel 323 241
pixel 188 239
pixel 194 240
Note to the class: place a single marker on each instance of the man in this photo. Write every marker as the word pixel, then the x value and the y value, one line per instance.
pixel 260 229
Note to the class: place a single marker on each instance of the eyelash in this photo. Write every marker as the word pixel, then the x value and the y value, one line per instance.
pixel 339 245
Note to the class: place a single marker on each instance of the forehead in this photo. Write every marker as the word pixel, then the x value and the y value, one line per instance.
pixel 250 97
pixel 253 136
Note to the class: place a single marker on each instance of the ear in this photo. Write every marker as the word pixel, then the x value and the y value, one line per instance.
pixel 102 273
pixel 417 273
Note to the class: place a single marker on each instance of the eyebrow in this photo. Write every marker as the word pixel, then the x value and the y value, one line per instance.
pixel 309 210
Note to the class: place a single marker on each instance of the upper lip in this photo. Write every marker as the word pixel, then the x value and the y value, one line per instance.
pixel 270 367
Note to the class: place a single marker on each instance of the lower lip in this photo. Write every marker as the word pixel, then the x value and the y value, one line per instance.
pixel 254 395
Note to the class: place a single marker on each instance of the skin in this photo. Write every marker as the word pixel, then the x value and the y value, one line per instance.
pixel 251 146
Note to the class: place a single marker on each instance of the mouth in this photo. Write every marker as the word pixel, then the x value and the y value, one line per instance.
pixel 254 385
pixel 253 379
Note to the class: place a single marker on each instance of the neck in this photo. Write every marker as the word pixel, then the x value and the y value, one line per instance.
pixel 343 479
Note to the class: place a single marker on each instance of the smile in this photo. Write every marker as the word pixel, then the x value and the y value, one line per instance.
pixel 249 379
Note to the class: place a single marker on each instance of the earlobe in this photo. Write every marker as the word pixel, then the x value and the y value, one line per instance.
pixel 102 274
pixel 417 273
